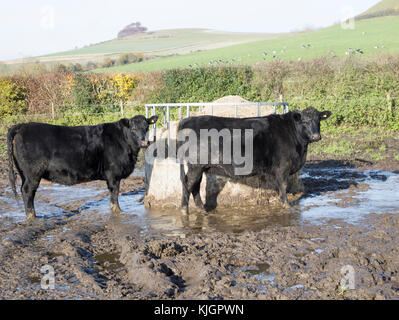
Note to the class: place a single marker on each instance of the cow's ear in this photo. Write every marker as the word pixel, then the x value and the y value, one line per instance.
pixel 324 115
pixel 152 120
pixel 297 116
pixel 125 122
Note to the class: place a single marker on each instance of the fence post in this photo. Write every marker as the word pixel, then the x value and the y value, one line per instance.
pixel 121 105
pixel 154 126
pixel 168 125
pixel 52 110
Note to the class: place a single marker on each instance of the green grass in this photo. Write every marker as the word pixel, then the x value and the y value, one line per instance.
pixel 376 156
pixel 3 150
pixel 366 35
pixel 338 148
pixel 165 42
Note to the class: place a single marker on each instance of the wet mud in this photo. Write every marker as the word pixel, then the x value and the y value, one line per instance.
pixel 346 220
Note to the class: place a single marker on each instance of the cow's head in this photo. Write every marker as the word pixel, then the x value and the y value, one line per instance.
pixel 307 123
pixel 139 127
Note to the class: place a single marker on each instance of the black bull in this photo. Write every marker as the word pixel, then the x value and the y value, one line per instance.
pixel 71 155
pixel 280 144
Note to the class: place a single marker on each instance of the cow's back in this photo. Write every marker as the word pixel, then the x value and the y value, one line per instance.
pixel 67 155
pixel 273 137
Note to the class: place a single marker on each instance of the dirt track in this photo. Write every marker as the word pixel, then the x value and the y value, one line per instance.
pixel 98 256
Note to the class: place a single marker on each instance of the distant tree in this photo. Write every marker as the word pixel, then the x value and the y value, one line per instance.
pixel 108 63
pixel 91 65
pixel 124 58
pixel 77 67
pixel 61 68
pixel 140 56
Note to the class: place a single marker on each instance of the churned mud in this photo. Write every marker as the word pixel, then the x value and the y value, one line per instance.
pixel 345 226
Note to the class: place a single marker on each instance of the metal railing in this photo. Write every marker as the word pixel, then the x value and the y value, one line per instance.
pixel 166 110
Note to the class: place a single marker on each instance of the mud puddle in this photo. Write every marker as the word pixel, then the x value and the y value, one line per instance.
pixel 360 194
pixel 340 194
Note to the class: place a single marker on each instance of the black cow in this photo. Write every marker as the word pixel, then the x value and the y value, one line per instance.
pixel 280 144
pixel 71 155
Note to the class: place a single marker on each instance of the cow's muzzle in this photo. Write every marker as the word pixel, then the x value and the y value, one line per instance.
pixel 316 137
pixel 144 144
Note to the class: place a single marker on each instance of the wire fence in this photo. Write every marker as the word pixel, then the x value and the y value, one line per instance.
pixel 127 107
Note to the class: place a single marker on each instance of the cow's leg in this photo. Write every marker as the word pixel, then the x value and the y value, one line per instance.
pixel 113 187
pixel 185 193
pixel 282 181
pixel 191 185
pixel 28 190
pixel 196 194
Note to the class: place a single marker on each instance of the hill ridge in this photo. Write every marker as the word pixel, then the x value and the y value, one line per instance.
pixel 381 9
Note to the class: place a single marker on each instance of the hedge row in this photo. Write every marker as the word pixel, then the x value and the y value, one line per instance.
pixel 359 92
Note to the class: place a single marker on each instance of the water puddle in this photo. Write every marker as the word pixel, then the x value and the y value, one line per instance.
pixel 374 192
pixel 109 261
pixel 337 193
pixel 261 273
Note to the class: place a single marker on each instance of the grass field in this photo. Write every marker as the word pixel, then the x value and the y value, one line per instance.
pixel 381 32
pixel 166 42
pixel 152 44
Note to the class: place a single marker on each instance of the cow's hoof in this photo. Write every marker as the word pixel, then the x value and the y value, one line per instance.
pixel 184 211
pixel 115 209
pixel 203 211
pixel 30 216
pixel 286 205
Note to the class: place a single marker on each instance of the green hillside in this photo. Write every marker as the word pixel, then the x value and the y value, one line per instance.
pixel 382 8
pixel 382 5
pixel 166 42
pixel 373 37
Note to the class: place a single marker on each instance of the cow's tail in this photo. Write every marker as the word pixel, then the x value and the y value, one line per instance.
pixel 11 159
pixel 183 179
pixel 183 176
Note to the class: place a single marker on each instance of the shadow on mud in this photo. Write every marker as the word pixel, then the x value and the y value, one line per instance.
pixel 332 175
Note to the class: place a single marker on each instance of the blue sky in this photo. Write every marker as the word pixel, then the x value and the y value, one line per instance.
pixel 35 27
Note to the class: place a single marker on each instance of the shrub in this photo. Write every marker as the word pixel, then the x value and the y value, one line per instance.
pixel 84 96
pixel 12 98
pixel 204 84
pixel 108 63
pixel 90 65
pixel 124 59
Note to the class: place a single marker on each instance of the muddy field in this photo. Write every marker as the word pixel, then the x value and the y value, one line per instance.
pixel 346 220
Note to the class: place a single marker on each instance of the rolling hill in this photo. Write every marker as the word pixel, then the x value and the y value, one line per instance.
pixel 381 8
pixel 371 37
pixel 166 42
pixel 376 32
pixel 151 44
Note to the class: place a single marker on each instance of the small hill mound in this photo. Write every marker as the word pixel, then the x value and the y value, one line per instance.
pixel 381 9
pixel 228 110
